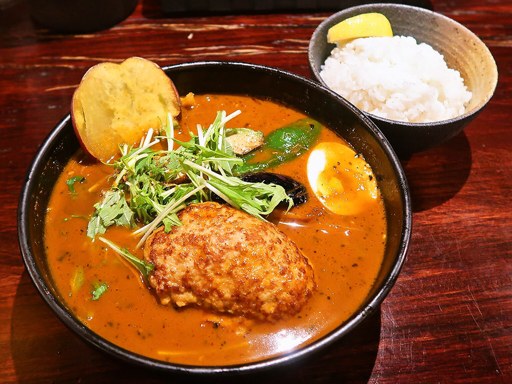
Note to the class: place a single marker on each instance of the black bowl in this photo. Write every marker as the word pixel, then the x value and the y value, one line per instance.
pixel 78 16
pixel 234 78
pixel 461 48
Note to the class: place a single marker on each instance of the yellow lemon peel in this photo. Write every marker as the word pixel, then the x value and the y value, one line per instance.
pixel 364 25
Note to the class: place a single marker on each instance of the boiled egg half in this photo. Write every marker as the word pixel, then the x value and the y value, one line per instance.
pixel 341 179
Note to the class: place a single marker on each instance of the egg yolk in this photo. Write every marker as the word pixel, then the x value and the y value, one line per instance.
pixel 341 179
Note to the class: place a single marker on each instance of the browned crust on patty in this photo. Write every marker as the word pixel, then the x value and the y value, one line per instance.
pixel 228 261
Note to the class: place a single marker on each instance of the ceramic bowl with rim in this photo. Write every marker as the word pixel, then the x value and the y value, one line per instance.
pixel 231 78
pixel 77 16
pixel 461 48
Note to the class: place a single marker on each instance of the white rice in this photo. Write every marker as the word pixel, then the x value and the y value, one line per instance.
pixel 396 78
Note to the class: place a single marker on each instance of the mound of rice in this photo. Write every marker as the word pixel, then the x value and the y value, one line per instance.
pixel 396 78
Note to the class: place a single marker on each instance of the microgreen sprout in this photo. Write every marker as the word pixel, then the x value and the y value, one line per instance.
pixel 153 185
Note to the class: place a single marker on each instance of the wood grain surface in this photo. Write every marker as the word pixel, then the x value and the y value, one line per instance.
pixel 448 319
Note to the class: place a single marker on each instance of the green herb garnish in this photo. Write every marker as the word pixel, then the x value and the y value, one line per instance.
pixel 71 182
pixel 144 267
pixel 99 288
pixel 113 209
pixel 152 186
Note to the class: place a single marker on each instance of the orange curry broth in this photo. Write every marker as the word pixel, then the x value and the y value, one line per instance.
pixel 345 251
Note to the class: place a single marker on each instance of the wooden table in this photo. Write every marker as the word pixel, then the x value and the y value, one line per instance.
pixel 449 317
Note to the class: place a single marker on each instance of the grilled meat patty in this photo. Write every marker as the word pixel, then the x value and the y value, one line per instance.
pixel 228 261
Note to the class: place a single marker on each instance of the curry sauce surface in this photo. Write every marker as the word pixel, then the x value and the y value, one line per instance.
pixel 346 253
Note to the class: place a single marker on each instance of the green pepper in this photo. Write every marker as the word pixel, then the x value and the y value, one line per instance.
pixel 282 145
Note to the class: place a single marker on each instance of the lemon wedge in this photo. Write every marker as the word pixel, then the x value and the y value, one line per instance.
pixel 364 25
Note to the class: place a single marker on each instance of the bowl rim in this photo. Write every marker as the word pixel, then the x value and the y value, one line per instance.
pixel 318 34
pixel 41 156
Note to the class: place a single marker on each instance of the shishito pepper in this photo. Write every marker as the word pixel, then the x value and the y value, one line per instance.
pixel 282 145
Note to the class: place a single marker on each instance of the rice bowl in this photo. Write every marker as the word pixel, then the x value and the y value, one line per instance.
pixel 462 50
pixel 396 78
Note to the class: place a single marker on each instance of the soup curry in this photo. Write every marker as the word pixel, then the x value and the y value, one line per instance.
pixel 345 251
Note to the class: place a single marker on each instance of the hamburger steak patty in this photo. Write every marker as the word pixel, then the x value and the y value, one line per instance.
pixel 228 261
